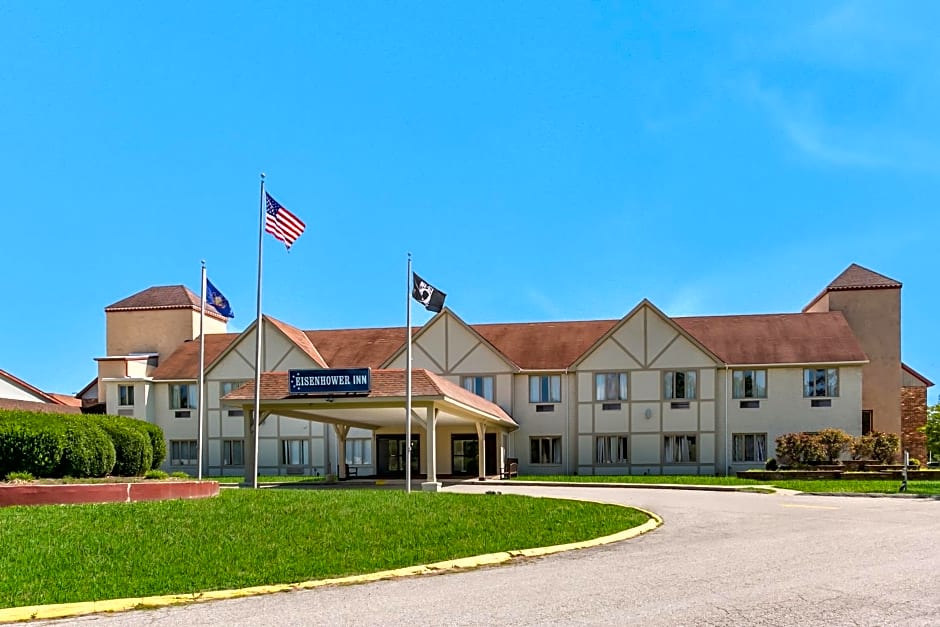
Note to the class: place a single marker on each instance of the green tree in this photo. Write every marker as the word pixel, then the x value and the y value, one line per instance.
pixel 932 429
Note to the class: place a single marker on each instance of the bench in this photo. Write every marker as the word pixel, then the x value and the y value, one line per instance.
pixel 511 470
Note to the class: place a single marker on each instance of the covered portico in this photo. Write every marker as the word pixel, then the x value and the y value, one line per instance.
pixel 437 404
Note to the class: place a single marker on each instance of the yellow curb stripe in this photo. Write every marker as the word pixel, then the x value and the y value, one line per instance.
pixel 64 610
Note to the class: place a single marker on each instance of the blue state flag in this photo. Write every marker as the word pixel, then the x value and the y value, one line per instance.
pixel 215 298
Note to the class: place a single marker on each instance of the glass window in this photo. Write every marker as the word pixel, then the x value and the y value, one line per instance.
pixel 233 452
pixel 294 452
pixel 749 384
pixel 359 451
pixel 481 386
pixel 679 384
pixel 545 388
pixel 126 395
pixel 610 449
pixel 749 447
pixel 545 450
pixel 821 382
pixel 610 386
pixel 228 386
pixel 183 396
pixel 679 449
pixel 183 453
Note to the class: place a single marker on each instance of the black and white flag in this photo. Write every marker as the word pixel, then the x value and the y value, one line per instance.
pixel 426 294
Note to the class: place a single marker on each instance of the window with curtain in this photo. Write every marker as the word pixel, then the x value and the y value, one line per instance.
pixel 749 384
pixel 679 384
pixel 679 449
pixel 183 453
pixel 545 388
pixel 126 395
pixel 479 385
pixel 821 382
pixel 183 396
pixel 545 450
pixel 610 386
pixel 610 449
pixel 359 451
pixel 749 447
pixel 294 452
pixel 233 452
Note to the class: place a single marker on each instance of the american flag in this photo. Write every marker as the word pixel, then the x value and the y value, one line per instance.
pixel 281 223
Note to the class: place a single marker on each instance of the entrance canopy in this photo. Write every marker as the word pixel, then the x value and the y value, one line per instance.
pixel 435 402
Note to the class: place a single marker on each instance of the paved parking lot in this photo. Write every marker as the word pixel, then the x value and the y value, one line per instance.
pixel 719 559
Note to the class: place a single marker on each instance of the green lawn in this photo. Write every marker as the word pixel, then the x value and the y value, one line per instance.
pixel 270 479
pixel 850 485
pixel 56 554
pixel 817 485
pixel 675 479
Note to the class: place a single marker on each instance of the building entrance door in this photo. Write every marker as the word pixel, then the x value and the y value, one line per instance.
pixel 391 455
pixel 465 454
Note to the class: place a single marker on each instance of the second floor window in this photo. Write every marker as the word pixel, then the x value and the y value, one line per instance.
pixel 183 396
pixel 228 386
pixel 126 395
pixel 610 386
pixel 749 384
pixel 821 382
pixel 679 384
pixel 545 388
pixel 481 386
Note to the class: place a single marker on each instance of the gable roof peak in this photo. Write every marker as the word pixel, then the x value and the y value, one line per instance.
pixel 857 277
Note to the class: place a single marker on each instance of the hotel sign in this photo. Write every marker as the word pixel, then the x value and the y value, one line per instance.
pixel 330 381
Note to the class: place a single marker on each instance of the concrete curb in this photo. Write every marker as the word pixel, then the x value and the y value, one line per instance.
pixel 69 610
pixel 638 486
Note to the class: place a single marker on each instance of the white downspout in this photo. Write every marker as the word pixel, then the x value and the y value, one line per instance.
pixel 727 402
pixel 571 443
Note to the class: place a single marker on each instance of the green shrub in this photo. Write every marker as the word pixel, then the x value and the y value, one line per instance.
pixel 155 474
pixel 863 447
pixel 834 442
pixel 19 476
pixel 913 461
pixel 771 464
pixel 157 441
pixel 797 450
pixel 31 442
pixel 885 447
pixel 89 451
pixel 179 474
pixel 133 449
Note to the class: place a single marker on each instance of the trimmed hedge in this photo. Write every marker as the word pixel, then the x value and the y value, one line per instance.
pixel 155 434
pixel 59 445
pixel 132 447
pixel 89 452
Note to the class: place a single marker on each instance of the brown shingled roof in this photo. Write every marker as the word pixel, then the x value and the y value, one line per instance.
pixel 163 297
pixel 752 339
pixel 46 408
pixel 183 363
pixel 298 337
pixel 358 348
pixel 855 277
pixel 543 345
pixel 65 399
pixel 807 338
pixel 389 383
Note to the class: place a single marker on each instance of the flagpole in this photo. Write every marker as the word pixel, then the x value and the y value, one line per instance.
pixel 256 422
pixel 408 385
pixel 202 370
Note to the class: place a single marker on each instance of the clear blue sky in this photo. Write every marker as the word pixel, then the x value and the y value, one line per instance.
pixel 541 160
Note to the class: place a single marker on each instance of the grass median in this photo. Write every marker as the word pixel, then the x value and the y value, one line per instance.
pixel 56 554
pixel 882 486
